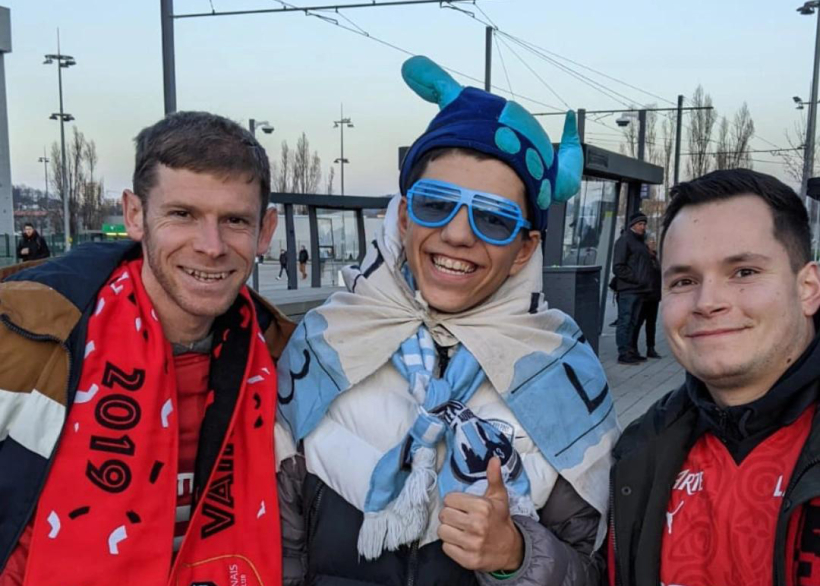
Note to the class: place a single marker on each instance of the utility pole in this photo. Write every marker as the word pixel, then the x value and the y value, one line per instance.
pixel 678 132
pixel 169 83
pixel 808 157
pixel 63 61
pixel 488 58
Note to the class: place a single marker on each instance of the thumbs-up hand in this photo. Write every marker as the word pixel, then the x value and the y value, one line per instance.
pixel 478 532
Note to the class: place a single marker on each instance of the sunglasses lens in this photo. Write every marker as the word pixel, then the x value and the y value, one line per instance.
pixel 431 209
pixel 494 226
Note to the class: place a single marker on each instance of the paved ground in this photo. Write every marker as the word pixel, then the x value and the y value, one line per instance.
pixel 634 387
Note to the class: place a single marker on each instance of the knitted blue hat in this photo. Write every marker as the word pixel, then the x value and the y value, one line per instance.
pixel 474 119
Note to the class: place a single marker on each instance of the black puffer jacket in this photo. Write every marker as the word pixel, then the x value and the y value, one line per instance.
pixel 632 264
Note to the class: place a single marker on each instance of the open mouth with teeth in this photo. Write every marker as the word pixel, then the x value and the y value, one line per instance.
pixel 453 266
pixel 207 276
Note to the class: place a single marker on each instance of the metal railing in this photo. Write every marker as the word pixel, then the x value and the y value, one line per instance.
pixel 314 203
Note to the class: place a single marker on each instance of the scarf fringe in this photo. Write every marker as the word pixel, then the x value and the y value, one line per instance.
pixel 404 520
pixel 522 505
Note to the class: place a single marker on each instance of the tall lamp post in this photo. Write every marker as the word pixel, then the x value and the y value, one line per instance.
pixel 808 9
pixel 45 161
pixel 265 127
pixel 63 61
pixel 340 124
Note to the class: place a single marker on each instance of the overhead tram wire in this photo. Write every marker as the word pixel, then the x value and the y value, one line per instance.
pixel 538 77
pixel 503 65
pixel 363 33
pixel 544 54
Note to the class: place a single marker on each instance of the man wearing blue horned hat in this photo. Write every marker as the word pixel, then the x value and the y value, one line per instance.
pixel 438 423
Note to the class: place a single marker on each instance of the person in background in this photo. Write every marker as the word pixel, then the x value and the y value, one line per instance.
pixel 303 260
pixel 32 246
pixel 650 302
pixel 283 262
pixel 632 267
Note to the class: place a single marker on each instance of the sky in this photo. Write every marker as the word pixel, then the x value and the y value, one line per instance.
pixel 297 71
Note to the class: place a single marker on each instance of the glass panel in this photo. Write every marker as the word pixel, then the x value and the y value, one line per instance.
pixel 589 222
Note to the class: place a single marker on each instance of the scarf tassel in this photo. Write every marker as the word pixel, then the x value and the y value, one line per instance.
pixel 404 520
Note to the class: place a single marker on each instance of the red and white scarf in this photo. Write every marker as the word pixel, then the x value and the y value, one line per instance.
pixel 106 514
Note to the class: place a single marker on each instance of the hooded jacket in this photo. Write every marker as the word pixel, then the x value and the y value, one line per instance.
pixel 652 450
pixel 44 312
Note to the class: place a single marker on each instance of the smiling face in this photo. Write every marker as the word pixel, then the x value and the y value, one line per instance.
pixel 453 268
pixel 200 234
pixel 735 312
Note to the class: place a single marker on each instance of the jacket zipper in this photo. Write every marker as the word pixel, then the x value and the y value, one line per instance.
pixel 412 564
pixel 612 532
pixel 40 338
pixel 313 518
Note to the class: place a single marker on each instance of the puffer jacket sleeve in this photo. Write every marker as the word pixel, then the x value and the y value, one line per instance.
pixel 559 547
pixel 290 478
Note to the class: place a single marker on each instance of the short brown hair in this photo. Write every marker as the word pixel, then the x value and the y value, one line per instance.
pixel 203 143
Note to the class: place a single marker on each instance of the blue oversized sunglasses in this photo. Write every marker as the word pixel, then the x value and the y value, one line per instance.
pixel 494 219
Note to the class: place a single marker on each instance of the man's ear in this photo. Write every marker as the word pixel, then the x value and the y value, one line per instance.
pixel 133 215
pixel 404 217
pixel 269 223
pixel 808 282
pixel 528 248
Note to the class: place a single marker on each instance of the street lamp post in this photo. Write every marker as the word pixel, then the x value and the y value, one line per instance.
pixel 63 61
pixel 45 161
pixel 340 124
pixel 808 9
pixel 265 127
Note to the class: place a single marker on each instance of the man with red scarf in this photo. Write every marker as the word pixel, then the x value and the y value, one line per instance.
pixel 137 382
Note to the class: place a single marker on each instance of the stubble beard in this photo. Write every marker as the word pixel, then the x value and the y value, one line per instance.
pixel 172 290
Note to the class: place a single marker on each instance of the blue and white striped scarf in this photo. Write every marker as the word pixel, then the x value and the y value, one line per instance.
pixel 536 359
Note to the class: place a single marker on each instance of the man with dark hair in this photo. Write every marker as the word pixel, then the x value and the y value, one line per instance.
pixel 446 427
pixel 138 386
pixel 719 482
pixel 32 246
pixel 632 265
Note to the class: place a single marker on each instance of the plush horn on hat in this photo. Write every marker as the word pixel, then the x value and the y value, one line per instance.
pixel 570 161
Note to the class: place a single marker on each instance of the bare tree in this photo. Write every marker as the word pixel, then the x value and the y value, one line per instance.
pixel 794 156
pixel 734 141
pixel 330 176
pixel 631 134
pixel 283 172
pixel 307 168
pixel 85 199
pixel 700 134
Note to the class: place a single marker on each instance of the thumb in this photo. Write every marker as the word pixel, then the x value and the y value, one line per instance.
pixel 495 481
